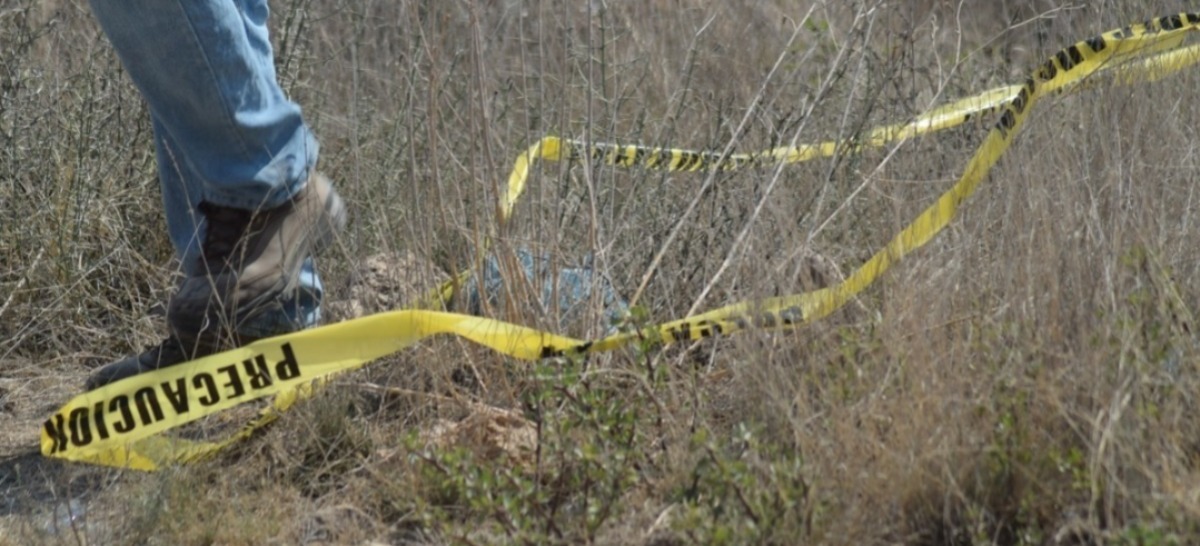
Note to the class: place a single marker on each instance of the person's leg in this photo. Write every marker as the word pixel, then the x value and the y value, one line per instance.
pixel 206 69
pixel 185 228
pixel 244 207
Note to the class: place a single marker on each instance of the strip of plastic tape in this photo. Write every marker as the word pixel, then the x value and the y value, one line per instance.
pixel 1067 66
pixel 111 425
pixel 1162 60
pixel 121 424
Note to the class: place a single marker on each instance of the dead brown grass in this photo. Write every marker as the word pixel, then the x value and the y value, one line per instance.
pixel 1028 378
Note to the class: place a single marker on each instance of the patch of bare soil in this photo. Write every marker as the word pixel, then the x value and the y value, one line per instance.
pixel 386 282
pixel 38 496
pixel 489 433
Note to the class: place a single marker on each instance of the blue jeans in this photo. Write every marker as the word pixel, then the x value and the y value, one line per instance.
pixel 224 131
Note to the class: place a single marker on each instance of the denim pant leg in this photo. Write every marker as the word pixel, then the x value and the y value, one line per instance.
pixel 224 130
pixel 185 227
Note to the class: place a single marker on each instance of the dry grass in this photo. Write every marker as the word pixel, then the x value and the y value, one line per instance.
pixel 1028 378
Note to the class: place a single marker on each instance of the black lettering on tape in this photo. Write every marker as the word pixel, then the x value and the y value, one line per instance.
pixel 1097 43
pixel 665 157
pixel 289 367
pixel 639 155
pixel 649 158
pixel 256 372
pixel 792 315
pixel 1006 123
pixel 177 395
pixel 684 332
pixel 98 417
pixel 57 433
pixel 209 385
pixel 1019 102
pixel 1064 60
pixel 551 352
pixel 1076 56
pixel 708 328
pixel 740 322
pixel 631 155
pixel 597 153
pixel 235 381
pixel 1192 18
pixel 120 404
pixel 690 159
pixel 617 156
pixel 679 159
pixel 676 159
pixel 81 427
pixel 1172 22
pixel 146 400
pixel 765 320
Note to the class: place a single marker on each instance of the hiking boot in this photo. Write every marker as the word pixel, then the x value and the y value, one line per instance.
pixel 251 260
pixel 170 352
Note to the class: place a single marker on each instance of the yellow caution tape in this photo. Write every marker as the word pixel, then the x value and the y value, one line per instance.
pixel 120 424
